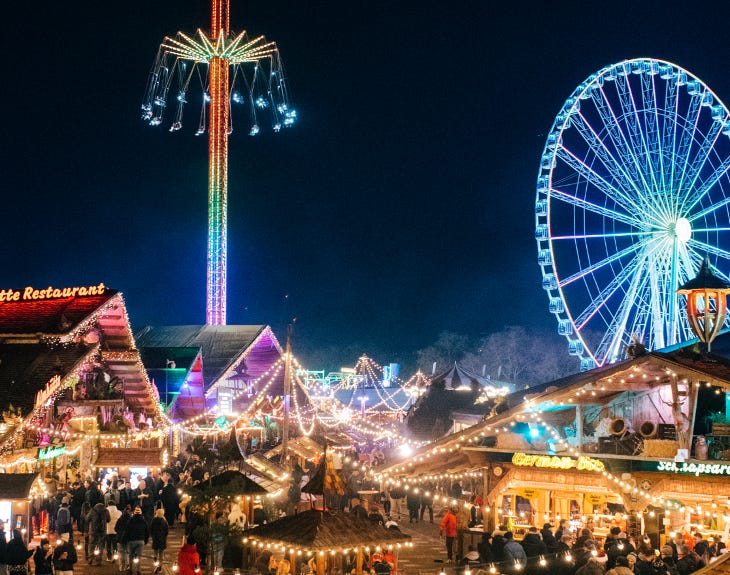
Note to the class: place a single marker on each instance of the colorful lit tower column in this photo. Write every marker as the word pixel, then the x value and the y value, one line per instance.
pixel 240 70
pixel 215 309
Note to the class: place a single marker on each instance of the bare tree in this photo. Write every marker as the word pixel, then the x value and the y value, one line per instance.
pixel 522 357
pixel 447 349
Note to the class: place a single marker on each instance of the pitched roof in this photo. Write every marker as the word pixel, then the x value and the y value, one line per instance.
pixel 321 530
pixel 458 377
pixel 16 485
pixel 221 345
pixel 48 316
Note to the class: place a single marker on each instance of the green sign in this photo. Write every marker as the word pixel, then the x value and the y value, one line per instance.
pixel 695 469
pixel 221 422
pixel 50 452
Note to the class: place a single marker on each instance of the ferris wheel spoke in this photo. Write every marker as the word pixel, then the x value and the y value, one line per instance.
pixel 604 236
pixel 700 159
pixel 707 211
pixel 687 137
pixel 597 180
pixel 705 248
pixel 669 126
pixel 707 185
pixel 593 268
pixel 633 126
pixel 652 140
pixel 607 158
pixel 601 299
pixel 611 343
pixel 618 138
pixel 594 208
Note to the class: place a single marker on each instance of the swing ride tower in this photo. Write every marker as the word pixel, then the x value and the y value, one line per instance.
pixel 232 69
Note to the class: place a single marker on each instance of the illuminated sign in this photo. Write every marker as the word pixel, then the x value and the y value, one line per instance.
pixel 30 293
pixel 695 469
pixel 554 462
pixel 50 452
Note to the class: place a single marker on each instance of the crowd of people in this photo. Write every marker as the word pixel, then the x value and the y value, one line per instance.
pixel 560 551
pixel 103 520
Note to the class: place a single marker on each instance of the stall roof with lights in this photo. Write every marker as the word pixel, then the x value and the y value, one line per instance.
pixel 595 388
pixel 223 347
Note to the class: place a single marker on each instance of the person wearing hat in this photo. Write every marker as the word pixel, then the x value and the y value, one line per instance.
pixel 64 556
pixel 43 558
pixel 447 529
pixel 138 533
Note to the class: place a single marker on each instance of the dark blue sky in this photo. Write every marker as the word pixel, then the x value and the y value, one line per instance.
pixel 401 205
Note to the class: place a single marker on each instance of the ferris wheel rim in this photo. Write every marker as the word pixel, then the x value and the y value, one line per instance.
pixel 546 240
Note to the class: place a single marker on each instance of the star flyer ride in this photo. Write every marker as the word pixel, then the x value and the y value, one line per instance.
pixel 231 70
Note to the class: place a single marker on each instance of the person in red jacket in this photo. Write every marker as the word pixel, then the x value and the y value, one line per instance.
pixel 188 560
pixel 448 530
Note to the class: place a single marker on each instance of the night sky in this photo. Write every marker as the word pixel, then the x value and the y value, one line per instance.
pixel 401 204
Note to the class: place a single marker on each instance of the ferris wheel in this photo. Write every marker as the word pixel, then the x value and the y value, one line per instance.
pixel 633 192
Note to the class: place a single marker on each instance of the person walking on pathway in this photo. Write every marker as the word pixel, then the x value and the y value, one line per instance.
pixel 98 519
pixel 63 518
pixel 188 560
pixel 447 529
pixel 122 540
pixel 111 533
pixel 159 530
pixel 64 556
pixel 138 534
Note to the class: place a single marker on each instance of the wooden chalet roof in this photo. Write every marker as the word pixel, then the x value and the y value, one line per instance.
pixel 48 316
pixel 223 347
pixel 317 530
pixel 595 387
pixel 16 485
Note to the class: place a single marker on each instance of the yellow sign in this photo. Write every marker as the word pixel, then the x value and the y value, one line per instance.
pixel 527 493
pixel 30 293
pixel 583 463
pixel 595 499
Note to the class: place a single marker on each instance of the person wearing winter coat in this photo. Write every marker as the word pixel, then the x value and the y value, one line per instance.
pixel 64 556
pixel 159 530
pixel 63 518
pixel 97 520
pixel 120 528
pixel 111 533
pixel 138 534
pixel 43 558
pixel 170 499
pixel 3 548
pixel 532 543
pixel 448 530
pixel 548 538
pixel 17 554
pixel 514 555
pixel 188 560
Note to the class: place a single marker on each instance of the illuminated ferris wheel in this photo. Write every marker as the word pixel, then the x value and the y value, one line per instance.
pixel 633 192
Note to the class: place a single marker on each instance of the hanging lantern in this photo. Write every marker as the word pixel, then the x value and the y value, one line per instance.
pixel 706 303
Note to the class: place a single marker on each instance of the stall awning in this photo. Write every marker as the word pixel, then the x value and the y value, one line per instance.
pixel 16 485
pixel 129 457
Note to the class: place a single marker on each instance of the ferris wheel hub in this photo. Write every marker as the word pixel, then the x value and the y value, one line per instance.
pixel 683 230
